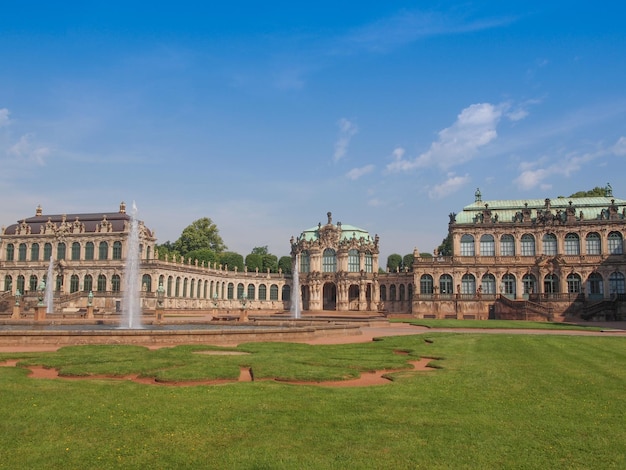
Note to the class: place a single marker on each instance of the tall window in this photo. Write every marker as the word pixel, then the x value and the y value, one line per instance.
pixel 117 250
pixel 33 283
pixel 34 252
pixel 185 285
pixel 507 245
pixel 240 291
pixel 446 285
pixel 392 292
pixel 383 293
pixel 102 283
pixel 146 282
pixel 286 292
pixel 572 244
pixel 88 283
pixel 305 262
pixel 530 283
pixel 488 284
pixel 20 283
pixel 251 292
pixel 22 252
pixel 47 251
pixel 616 283
pixel 549 244
pixel 115 283
pixel 551 284
pixel 528 245
pixel 426 284
pixel 468 284
pixel 74 283
pixel 595 286
pixel 89 251
pixel 273 292
pixel 262 292
pixel 593 244
pixel 8 283
pixel 353 261
pixel 61 251
pixel 616 246
pixel 487 245
pixel 508 284
pixel 103 250
pixel 231 291
pixel 10 252
pixel 329 261
pixel 75 251
pixel 369 263
pixel 467 245
pixel 573 283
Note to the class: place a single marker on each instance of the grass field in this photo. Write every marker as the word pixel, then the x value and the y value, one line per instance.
pixel 495 401
pixel 499 324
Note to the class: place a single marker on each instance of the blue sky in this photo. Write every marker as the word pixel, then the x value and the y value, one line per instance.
pixel 264 117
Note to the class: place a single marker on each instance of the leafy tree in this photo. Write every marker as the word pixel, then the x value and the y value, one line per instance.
pixel 445 249
pixel 394 262
pixel 201 234
pixel 232 260
pixel 270 262
pixel 595 192
pixel 254 261
pixel 206 255
pixel 407 261
pixel 260 250
pixel 164 249
pixel 426 255
pixel 284 264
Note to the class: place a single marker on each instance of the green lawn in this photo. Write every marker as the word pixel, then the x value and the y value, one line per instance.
pixel 497 401
pixel 499 324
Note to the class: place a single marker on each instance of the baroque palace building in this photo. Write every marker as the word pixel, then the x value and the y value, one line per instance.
pixel 527 259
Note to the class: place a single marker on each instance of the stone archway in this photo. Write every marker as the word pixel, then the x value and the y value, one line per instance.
pixel 353 297
pixel 305 296
pixel 330 296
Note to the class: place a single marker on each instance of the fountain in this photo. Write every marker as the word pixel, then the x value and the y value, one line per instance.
pixel 131 306
pixel 49 294
pixel 295 290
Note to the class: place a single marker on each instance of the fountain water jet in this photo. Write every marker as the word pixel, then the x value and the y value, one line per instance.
pixel 131 306
pixel 295 290
pixel 49 293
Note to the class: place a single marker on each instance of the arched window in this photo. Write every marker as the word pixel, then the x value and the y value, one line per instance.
pixel 487 245
pixel 508 284
pixel 240 291
pixel 251 293
pixel 103 251
pixel 115 283
pixel 329 261
pixel 467 245
pixel 507 245
pixel 8 283
pixel 75 251
pixel 446 284
pixel 353 261
pixel 572 244
pixel 402 289
pixel 616 245
pixel 193 286
pixel 177 287
pixel 426 284
pixel 170 282
pixel 468 284
pixel 59 283
pixel 10 252
pixel 89 249
pixel 549 244
pixel 528 245
pixel 47 251
pixel 573 283
pixel 231 291
pixel 88 283
pixel 593 244
pixel 33 283
pixel 616 283
pixel 369 263
pixel 392 292
pixel 61 251
pixel 383 293
pixel 305 262
pixel 21 283
pixel 488 284
pixel 286 293
pixel 530 283
pixel 146 282
pixel 273 292
pixel 102 283
pixel 74 283
pixel 262 292
pixel 34 252
pixel 22 252
pixel 117 250
pixel 595 286
pixel 551 284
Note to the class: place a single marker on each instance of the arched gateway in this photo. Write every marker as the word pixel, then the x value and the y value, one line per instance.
pixel 337 267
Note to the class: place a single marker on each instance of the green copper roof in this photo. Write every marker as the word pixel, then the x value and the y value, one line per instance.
pixel 347 232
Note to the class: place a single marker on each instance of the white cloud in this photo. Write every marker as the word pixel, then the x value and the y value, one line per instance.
pixel 536 174
pixel 620 147
pixel 451 185
pixel 474 128
pixel 4 117
pixel 25 149
pixel 356 173
pixel 347 130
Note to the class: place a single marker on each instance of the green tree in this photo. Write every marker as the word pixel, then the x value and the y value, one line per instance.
pixel 260 250
pixel 232 260
pixel 201 234
pixel 164 249
pixel 284 264
pixel 394 262
pixel 206 255
pixel 445 249
pixel 426 255
pixel 595 192
pixel 407 261
pixel 254 261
